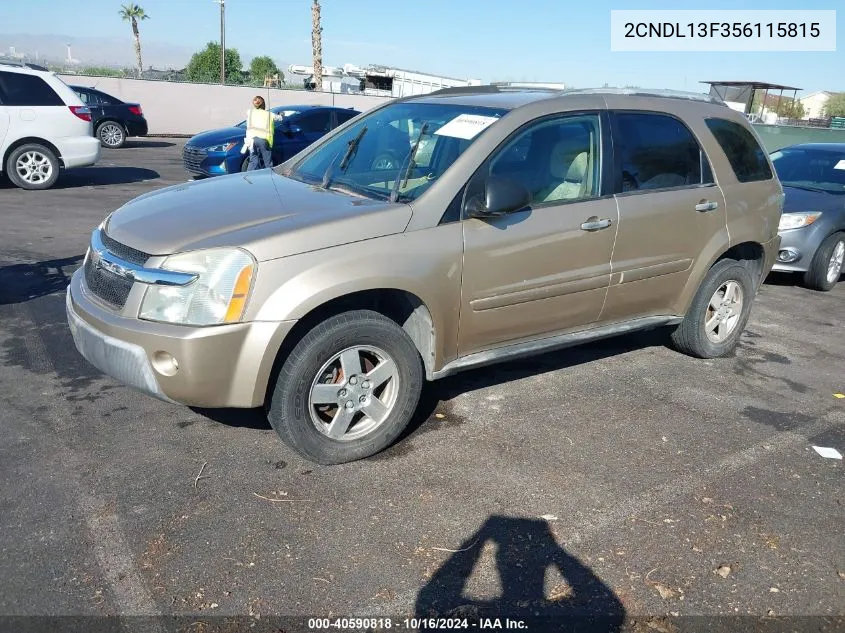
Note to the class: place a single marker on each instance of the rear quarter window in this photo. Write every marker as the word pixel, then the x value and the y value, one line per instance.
pixel 747 158
pixel 19 89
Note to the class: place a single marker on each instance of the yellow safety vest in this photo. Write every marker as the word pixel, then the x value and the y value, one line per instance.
pixel 259 124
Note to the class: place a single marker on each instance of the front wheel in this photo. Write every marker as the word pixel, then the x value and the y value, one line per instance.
pixel 348 389
pixel 827 264
pixel 719 312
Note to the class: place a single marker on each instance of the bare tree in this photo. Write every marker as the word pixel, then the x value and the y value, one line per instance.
pixel 317 45
pixel 132 13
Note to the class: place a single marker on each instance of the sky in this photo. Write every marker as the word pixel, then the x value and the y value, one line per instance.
pixel 491 40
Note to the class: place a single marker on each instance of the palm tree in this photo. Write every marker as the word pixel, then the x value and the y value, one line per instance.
pixel 132 13
pixel 317 45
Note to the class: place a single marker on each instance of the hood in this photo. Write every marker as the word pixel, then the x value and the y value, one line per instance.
pixel 270 215
pixel 215 137
pixel 797 200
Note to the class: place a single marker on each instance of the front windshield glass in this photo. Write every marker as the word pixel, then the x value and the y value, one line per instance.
pixel 401 149
pixel 814 169
pixel 279 110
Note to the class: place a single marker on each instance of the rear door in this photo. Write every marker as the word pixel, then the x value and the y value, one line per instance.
pixel 671 213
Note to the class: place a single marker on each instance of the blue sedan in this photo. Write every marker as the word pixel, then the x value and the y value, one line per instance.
pixel 812 227
pixel 218 152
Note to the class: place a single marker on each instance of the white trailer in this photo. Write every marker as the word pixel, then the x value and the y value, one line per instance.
pixel 380 81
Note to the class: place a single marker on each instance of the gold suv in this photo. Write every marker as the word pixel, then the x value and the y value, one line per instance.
pixel 430 235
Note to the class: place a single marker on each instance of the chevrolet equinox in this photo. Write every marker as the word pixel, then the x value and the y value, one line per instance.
pixel 430 235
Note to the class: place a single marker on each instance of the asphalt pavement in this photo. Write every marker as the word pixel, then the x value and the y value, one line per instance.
pixel 619 480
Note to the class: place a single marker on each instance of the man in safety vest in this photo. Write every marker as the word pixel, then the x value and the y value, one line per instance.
pixel 259 134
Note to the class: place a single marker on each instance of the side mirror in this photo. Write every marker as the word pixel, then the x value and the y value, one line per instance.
pixel 502 196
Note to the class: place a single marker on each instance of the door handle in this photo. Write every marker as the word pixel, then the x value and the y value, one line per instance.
pixel 594 224
pixel 706 205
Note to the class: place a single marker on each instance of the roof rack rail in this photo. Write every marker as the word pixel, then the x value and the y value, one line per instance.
pixel 645 92
pixel 488 89
pixel 11 61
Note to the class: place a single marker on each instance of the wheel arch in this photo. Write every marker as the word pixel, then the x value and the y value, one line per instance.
pixel 31 139
pixel 404 308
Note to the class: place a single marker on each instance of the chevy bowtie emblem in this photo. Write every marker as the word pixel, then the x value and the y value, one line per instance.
pixel 112 267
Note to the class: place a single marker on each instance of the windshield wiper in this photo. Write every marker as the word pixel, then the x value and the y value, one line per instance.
pixel 344 162
pixel 402 180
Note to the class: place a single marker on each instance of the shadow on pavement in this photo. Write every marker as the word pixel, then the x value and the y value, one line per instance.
pixel 93 176
pixel 514 568
pixel 139 143
pixel 24 282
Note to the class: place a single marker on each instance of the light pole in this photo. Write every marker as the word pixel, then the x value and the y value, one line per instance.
pixel 222 4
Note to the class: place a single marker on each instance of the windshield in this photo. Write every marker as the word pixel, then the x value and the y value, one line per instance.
pixel 279 110
pixel 814 169
pixel 403 146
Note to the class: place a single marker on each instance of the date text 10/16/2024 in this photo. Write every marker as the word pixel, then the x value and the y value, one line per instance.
pixel 413 624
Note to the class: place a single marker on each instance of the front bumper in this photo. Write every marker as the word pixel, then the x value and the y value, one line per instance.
pixel 201 162
pixel 219 366
pixel 804 242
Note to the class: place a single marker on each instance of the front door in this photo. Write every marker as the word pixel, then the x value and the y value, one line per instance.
pixel 546 268
pixel 670 213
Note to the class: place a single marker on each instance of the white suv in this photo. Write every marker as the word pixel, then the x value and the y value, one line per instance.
pixel 44 126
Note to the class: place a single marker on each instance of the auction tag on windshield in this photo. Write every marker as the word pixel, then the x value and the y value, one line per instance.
pixel 840 165
pixel 466 126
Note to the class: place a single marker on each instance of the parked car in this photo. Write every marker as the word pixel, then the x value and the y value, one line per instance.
pixel 114 120
pixel 44 127
pixel 329 289
pixel 218 152
pixel 812 227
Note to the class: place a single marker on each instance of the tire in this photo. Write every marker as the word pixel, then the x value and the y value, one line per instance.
pixel 694 336
pixel 384 162
pixel 32 166
pixel 111 134
pixel 360 336
pixel 244 164
pixel 822 274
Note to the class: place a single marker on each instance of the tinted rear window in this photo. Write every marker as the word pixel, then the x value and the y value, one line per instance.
pixel 744 153
pixel 27 90
pixel 656 151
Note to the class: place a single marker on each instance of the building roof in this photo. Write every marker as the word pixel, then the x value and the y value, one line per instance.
pixel 754 85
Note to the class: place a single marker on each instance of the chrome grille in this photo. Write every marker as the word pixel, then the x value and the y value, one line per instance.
pixel 105 285
pixel 192 158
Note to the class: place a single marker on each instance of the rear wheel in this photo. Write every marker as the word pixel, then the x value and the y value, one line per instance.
pixel 111 134
pixel 348 389
pixel 245 164
pixel 719 312
pixel 32 166
pixel 827 264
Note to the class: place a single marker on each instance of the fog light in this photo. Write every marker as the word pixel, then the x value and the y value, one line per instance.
pixel 165 364
pixel 788 255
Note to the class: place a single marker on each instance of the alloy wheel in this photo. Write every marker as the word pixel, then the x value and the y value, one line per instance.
pixel 354 393
pixel 34 167
pixel 111 134
pixel 834 266
pixel 723 311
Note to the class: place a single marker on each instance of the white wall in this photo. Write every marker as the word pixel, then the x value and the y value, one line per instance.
pixel 814 104
pixel 185 108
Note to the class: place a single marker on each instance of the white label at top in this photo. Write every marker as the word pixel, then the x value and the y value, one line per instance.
pixel 466 126
pixel 840 165
pixel 712 30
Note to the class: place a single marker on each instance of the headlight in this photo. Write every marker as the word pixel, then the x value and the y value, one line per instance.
pixel 797 220
pixel 217 296
pixel 223 147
